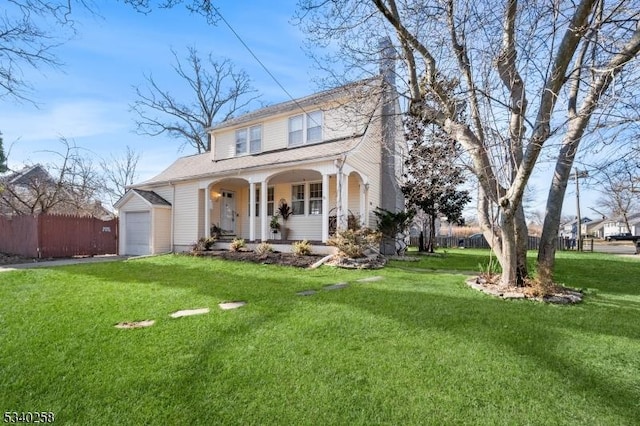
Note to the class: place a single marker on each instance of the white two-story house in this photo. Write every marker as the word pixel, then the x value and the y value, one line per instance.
pixel 330 156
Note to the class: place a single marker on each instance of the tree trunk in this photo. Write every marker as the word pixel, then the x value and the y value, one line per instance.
pixel 432 234
pixel 522 239
pixel 547 251
pixel 509 257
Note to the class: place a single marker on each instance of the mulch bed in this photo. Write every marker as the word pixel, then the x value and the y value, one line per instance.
pixel 275 258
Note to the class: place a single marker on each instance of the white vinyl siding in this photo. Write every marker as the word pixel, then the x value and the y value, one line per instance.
pixel 186 214
pixel 161 230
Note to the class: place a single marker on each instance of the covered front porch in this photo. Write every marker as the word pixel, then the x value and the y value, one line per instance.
pixel 320 201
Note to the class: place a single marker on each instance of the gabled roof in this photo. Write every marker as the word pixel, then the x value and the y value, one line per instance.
pixel 201 165
pixel 28 174
pixel 360 87
pixel 149 197
pixel 152 197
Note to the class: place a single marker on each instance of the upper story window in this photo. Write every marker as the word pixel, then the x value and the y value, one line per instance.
pixel 305 128
pixel 249 140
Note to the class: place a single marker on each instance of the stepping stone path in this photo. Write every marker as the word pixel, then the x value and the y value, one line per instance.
pixel 189 312
pixel 370 279
pixel 231 305
pixel 336 286
pixel 135 324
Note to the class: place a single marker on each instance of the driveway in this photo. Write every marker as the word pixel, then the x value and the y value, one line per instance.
pixel 62 262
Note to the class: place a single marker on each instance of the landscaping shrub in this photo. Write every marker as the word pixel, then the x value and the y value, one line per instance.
pixel 301 248
pixel 237 244
pixel 263 248
pixel 353 243
pixel 204 243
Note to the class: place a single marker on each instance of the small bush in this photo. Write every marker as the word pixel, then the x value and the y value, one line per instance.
pixel 301 248
pixel 263 248
pixel 203 244
pixel 237 244
pixel 353 243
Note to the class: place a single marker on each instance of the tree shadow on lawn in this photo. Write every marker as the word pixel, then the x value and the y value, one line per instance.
pixel 535 332
pixel 611 275
pixel 471 316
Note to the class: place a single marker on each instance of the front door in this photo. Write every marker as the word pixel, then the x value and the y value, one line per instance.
pixel 228 213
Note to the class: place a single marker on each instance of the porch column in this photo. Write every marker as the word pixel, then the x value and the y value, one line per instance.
pixel 325 208
pixel 342 204
pixel 264 227
pixel 207 209
pixel 252 211
pixel 363 204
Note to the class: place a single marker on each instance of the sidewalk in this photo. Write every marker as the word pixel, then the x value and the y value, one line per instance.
pixel 62 262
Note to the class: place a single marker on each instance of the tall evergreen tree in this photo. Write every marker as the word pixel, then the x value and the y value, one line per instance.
pixel 433 176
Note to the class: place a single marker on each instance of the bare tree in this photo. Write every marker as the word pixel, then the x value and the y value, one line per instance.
pixel 69 185
pixel 27 39
pixel 619 189
pixel 508 73
pixel 119 171
pixel 218 92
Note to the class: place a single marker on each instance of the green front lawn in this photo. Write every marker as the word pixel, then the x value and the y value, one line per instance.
pixel 417 347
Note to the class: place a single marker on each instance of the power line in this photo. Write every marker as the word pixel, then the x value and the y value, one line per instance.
pixel 217 10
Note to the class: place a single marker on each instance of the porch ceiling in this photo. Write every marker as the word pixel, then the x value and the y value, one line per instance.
pixel 295 176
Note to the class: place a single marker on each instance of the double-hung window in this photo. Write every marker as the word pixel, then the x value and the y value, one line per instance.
pixel 248 140
pixel 314 127
pixel 305 128
pixel 297 199
pixel 270 201
pixel 296 130
pixel 315 198
pixel 255 139
pixel 307 196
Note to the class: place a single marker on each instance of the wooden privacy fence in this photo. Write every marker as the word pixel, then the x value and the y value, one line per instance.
pixel 57 236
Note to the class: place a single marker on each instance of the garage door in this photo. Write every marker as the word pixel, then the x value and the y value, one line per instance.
pixel 138 233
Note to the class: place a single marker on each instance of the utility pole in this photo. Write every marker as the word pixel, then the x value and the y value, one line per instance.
pixel 579 174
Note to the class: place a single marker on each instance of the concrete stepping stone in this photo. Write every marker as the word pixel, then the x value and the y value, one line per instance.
pixel 189 312
pixel 370 279
pixel 135 324
pixel 225 306
pixel 306 293
pixel 337 286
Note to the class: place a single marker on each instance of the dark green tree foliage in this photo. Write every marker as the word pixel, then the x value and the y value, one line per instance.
pixel 393 227
pixel 433 176
pixel 3 157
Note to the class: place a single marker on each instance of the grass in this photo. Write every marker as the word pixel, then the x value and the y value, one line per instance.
pixel 417 347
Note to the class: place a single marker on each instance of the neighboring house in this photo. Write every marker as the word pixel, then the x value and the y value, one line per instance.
pixel 594 228
pixel 569 229
pixel 617 225
pixel 330 156
pixel 33 190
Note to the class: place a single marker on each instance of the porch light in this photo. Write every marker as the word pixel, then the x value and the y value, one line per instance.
pixel 215 196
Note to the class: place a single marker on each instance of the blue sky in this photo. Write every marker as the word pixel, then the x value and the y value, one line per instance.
pixel 88 99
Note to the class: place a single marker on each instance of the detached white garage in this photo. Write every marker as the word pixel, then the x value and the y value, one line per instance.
pixel 145 223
